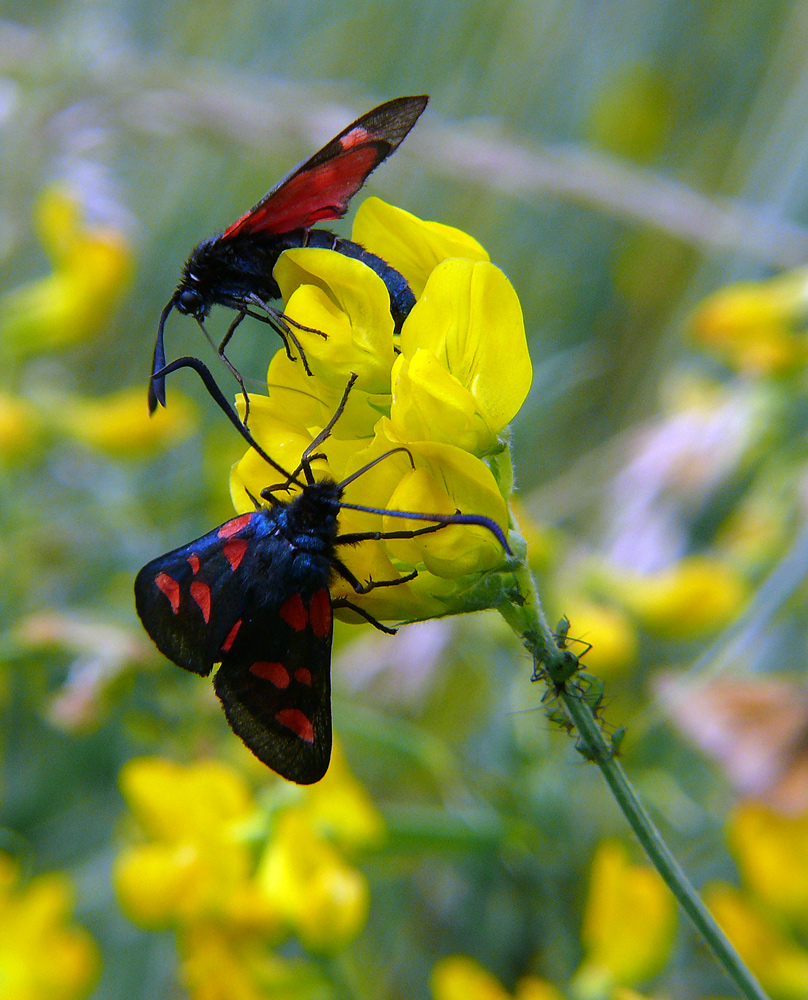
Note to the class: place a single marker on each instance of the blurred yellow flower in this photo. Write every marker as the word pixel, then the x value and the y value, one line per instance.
pixel 758 326
pixel 533 988
pixel 339 808
pixel 220 964
pixel 779 963
pixel 610 631
pixel 306 881
pixel 629 922
pixel 195 863
pixel 772 854
pixel 459 977
pixel 690 599
pixel 461 375
pixel 19 425
pixel 90 273
pixel 120 424
pixel 42 955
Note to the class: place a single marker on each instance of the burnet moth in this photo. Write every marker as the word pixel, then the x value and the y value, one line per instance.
pixel 234 269
pixel 253 596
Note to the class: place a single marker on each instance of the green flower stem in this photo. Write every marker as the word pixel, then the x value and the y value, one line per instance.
pixel 525 615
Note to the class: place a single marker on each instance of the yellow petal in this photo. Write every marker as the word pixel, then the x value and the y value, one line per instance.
pixel 410 245
pixel 445 479
pixel 458 977
pixel 339 808
pixel 772 852
pixel 120 423
pixel 692 598
pixel 430 404
pixel 349 303
pixel 173 802
pixel 470 318
pixel 629 920
pixel 777 961
pixel 322 899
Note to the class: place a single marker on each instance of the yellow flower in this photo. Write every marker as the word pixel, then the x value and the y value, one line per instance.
pixel 695 597
pixel 339 808
pixel 120 424
pixel 612 635
pixel 323 900
pixel 195 864
pixel 772 853
pixel 533 988
pixel 90 272
pixel 759 326
pixel 220 964
pixel 42 956
pixel 19 425
pixel 458 977
pixel 779 964
pixel 461 978
pixel 410 245
pixel 437 409
pixel 629 922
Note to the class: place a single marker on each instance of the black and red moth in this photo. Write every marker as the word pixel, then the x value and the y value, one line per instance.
pixel 253 596
pixel 234 268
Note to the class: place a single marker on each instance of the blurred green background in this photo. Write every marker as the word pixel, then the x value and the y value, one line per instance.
pixel 620 162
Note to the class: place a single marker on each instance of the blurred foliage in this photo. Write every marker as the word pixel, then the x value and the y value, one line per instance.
pixel 639 175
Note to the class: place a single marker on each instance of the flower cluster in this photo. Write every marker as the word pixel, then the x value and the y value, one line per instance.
pixel 42 955
pixel 233 877
pixel 435 399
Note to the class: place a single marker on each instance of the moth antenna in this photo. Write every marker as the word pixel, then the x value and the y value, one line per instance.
pixel 157 386
pixel 219 398
pixel 305 458
pixel 381 458
pixel 479 519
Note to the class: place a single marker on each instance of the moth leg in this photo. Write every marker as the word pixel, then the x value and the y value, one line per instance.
pixel 233 370
pixel 282 325
pixel 228 363
pixel 342 603
pixel 365 588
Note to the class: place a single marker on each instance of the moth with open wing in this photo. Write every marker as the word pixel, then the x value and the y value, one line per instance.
pixel 253 596
pixel 234 268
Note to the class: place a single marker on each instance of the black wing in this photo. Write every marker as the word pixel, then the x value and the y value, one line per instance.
pixel 189 600
pixel 275 686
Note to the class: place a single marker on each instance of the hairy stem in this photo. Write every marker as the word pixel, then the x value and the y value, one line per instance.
pixel 557 666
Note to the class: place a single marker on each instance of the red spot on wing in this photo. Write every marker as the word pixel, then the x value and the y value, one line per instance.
pixel 294 613
pixel 275 673
pixel 169 586
pixel 234 551
pixel 314 195
pixel 320 614
pixel 295 720
pixel 201 595
pixel 193 562
pixel 303 676
pixel 355 137
pixel 231 637
pixel 234 527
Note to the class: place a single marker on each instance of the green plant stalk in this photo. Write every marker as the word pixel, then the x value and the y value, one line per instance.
pixel 527 618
